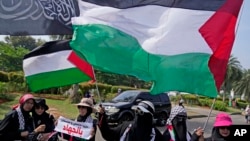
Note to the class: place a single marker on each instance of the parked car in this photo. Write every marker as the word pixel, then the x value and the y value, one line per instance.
pixel 119 108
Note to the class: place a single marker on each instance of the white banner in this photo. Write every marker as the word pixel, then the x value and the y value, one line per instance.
pixel 74 128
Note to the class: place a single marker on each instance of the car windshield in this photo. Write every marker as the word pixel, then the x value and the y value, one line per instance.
pixel 126 96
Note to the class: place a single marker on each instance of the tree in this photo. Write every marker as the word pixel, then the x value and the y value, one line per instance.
pixel 11 58
pixel 117 79
pixel 27 42
pixel 233 74
pixel 243 86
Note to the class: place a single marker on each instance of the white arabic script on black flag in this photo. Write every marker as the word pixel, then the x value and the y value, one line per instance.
pixel 37 17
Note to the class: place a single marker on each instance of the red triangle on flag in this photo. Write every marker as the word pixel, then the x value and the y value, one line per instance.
pixel 82 65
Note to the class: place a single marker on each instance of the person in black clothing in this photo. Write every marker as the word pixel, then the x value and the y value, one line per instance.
pixel 176 127
pixel 140 129
pixel 18 124
pixel 41 117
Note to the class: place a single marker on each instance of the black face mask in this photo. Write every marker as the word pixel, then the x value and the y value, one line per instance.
pixel 180 128
pixel 140 120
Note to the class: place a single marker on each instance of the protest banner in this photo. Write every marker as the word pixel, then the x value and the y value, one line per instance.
pixel 74 128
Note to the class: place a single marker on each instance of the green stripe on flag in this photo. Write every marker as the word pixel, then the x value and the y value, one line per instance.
pixel 112 50
pixel 56 79
pixel 185 73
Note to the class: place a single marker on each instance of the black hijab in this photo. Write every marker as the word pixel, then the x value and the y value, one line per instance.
pixel 216 136
pixel 141 128
pixel 180 128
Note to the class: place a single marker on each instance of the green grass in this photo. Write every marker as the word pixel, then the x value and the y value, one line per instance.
pixel 63 107
pixel 233 110
pixel 6 107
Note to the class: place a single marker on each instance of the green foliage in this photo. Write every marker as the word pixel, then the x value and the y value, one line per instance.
pixel 110 96
pixel 242 104
pixel 8 97
pixel 3 76
pixel 27 42
pixel 16 77
pixel 233 74
pixel 220 106
pixel 242 101
pixel 3 88
pixel 11 58
pixel 123 80
pixel 243 86
pixel 114 89
pixel 205 102
pixel 51 96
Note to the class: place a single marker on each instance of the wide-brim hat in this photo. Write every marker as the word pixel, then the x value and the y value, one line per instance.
pixel 223 119
pixel 41 102
pixel 87 102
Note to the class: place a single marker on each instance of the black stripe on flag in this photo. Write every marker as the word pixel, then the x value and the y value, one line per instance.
pixel 49 47
pixel 209 5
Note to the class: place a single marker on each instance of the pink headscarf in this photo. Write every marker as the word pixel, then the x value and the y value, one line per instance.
pixel 23 99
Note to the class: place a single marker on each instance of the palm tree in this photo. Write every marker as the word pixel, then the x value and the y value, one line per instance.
pixel 233 74
pixel 243 86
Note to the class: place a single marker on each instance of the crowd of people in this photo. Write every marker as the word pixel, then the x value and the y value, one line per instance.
pixel 20 125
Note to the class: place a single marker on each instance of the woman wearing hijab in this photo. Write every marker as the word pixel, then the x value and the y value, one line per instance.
pixel 176 128
pixel 141 128
pixel 221 129
pixel 41 117
pixel 17 124
pixel 85 108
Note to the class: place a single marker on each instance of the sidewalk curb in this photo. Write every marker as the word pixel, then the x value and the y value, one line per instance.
pixel 236 113
pixel 201 116
pixel 196 116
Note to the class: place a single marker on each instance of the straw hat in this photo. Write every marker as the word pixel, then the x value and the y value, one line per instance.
pixel 87 102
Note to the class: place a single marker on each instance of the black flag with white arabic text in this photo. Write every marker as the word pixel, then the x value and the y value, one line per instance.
pixel 37 17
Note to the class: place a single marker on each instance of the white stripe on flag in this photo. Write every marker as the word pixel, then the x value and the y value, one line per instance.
pixel 169 31
pixel 47 63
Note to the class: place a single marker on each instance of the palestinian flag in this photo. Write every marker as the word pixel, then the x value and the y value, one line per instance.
pixel 179 45
pixel 47 66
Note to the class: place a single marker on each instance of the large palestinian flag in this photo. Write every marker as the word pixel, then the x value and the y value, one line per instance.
pixel 48 66
pixel 181 45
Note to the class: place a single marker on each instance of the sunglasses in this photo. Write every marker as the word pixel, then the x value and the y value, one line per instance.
pixel 139 112
pixel 81 107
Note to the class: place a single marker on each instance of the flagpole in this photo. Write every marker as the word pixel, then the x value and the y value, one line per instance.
pixel 98 93
pixel 240 14
pixel 212 106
